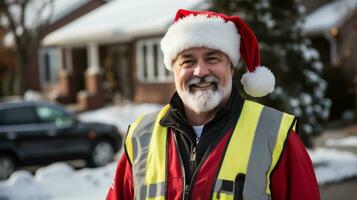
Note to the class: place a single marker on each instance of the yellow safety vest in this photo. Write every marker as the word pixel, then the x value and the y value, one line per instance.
pixel 253 150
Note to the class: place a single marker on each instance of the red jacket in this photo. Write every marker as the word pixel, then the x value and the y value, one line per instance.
pixel 292 179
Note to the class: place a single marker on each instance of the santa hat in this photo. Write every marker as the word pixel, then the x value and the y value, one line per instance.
pixel 229 34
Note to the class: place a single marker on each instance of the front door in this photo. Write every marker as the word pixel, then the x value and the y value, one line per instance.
pixel 119 65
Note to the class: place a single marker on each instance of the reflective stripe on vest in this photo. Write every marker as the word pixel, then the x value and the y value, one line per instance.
pixel 148 164
pixel 253 150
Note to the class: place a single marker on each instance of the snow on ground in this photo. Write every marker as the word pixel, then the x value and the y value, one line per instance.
pixel 332 165
pixel 347 141
pixel 60 181
pixel 120 116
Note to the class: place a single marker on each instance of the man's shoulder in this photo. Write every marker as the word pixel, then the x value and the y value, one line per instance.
pixel 147 120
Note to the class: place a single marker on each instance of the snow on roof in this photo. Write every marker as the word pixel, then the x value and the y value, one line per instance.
pixel 64 7
pixel 330 15
pixel 121 20
pixel 56 10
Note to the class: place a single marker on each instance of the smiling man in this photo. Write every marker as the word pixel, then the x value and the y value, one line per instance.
pixel 209 143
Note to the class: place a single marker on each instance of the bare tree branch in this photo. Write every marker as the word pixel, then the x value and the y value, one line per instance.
pixel 26 35
pixel 5 7
pixel 22 5
pixel 43 22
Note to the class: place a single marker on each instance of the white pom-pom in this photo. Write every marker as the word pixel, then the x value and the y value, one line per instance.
pixel 258 83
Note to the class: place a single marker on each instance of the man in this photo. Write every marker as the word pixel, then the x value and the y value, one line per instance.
pixel 209 143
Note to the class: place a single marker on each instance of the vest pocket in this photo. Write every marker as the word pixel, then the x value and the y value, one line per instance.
pixel 224 189
pixel 227 188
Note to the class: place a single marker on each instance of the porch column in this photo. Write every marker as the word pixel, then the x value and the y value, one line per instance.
pixel 93 58
pixel 68 60
pixel 331 37
pixel 94 73
pixel 93 96
pixel 66 84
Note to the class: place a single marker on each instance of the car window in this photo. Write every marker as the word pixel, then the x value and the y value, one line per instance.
pixel 18 115
pixel 49 114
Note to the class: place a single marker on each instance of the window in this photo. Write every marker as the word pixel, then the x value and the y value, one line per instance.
pixel 50 64
pixel 47 70
pixel 52 115
pixel 150 63
pixel 19 115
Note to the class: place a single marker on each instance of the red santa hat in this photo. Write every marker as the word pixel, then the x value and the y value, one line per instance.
pixel 229 34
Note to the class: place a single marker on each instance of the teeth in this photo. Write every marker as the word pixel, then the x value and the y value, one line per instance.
pixel 206 84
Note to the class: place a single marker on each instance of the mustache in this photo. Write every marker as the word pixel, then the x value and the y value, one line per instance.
pixel 206 79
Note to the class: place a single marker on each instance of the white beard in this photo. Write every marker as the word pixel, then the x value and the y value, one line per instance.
pixel 205 100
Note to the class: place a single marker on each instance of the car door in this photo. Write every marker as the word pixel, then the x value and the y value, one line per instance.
pixel 21 128
pixel 68 137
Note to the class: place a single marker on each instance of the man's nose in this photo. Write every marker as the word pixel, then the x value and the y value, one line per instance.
pixel 201 70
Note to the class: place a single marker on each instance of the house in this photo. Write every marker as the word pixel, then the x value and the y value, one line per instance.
pixel 332 28
pixel 38 75
pixel 45 67
pixel 115 51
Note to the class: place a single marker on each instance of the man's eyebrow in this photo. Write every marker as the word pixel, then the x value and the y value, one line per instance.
pixel 185 55
pixel 213 52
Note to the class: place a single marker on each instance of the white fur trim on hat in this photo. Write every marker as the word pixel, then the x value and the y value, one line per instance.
pixel 258 83
pixel 201 31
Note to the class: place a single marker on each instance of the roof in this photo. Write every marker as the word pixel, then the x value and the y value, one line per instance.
pixel 330 15
pixel 64 7
pixel 121 20
pixel 55 10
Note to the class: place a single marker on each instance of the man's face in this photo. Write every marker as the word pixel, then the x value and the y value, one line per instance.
pixel 203 78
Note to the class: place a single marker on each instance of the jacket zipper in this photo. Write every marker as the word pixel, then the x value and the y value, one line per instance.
pixel 193 162
pixel 189 189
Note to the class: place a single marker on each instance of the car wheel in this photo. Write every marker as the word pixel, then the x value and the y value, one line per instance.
pixel 102 153
pixel 7 166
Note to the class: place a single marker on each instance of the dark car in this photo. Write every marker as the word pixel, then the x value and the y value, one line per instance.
pixel 41 133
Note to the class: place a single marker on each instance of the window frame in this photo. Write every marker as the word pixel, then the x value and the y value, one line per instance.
pixel 146 74
pixel 55 62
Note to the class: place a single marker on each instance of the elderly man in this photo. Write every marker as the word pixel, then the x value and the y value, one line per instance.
pixel 209 143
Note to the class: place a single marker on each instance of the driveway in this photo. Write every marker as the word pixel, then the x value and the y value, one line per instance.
pixel 347 189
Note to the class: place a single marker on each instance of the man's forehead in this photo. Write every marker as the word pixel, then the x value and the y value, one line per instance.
pixel 199 50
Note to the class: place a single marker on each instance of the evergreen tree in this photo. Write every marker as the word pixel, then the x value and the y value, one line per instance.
pixel 300 90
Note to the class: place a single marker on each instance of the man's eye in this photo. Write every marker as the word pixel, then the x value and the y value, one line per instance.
pixel 212 60
pixel 186 63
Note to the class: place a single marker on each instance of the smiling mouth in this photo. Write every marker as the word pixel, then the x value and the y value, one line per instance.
pixel 203 86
